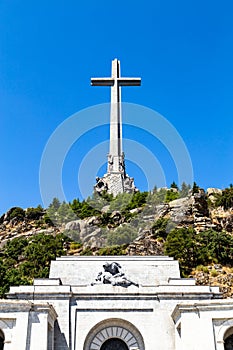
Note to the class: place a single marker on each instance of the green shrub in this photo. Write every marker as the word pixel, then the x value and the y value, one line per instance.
pixel 157 196
pixel 195 188
pixel 113 250
pixel 181 245
pixel 74 235
pixel 34 213
pixel 24 259
pixel 214 273
pixel 225 200
pixel 2 218
pixel 55 204
pixel 184 190
pixel 120 202
pixel 84 209
pixel 174 185
pixel 75 245
pixel 59 213
pixel 16 213
pixel 159 228
pixel 202 268
pixel 193 249
pixel 15 248
pixel 47 220
pixel 87 251
pixel 171 196
pixel 138 200
pixel 122 235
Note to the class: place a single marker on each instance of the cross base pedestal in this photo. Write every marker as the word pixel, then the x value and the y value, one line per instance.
pixel 115 183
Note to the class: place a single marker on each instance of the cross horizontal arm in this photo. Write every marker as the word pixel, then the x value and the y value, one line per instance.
pixel 129 81
pixel 102 81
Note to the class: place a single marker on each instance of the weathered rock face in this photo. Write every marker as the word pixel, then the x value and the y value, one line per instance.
pixel 193 211
pixel 22 230
pixel 211 193
pixel 222 219
pixel 90 234
pixel 216 275
pixel 199 205
pixel 180 210
pixel 145 244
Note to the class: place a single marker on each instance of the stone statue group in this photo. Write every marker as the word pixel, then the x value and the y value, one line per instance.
pixel 113 275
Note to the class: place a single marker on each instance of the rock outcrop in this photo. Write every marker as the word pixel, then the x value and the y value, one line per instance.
pixel 216 275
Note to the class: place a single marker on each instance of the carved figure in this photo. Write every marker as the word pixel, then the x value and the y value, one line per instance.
pixel 110 163
pixel 100 185
pixel 114 268
pixel 113 275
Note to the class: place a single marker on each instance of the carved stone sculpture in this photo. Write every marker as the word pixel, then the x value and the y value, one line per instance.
pixel 113 275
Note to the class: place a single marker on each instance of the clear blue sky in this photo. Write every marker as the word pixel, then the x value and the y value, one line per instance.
pixel 183 50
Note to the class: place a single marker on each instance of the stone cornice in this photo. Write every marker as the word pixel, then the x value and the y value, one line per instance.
pixel 27 306
pixel 197 307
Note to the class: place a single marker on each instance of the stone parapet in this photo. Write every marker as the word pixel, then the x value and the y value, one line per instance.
pixel 150 270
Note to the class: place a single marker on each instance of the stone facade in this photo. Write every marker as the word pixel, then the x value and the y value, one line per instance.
pixel 27 325
pixel 160 310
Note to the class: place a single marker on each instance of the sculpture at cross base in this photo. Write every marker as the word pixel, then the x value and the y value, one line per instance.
pixel 116 180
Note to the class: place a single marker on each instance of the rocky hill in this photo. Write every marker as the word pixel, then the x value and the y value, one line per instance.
pixel 197 211
pixel 145 224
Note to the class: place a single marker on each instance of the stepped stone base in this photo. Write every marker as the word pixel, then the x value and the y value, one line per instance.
pixel 115 183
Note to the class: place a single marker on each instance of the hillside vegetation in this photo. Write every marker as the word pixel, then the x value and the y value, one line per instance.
pixel 193 226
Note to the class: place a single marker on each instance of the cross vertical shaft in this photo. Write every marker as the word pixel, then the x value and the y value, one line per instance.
pixel 116 164
pixel 115 146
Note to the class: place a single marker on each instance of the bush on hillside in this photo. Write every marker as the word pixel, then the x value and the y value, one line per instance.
pixel 16 213
pixel 225 199
pixel 122 235
pixel 23 259
pixel 34 213
pixel 192 249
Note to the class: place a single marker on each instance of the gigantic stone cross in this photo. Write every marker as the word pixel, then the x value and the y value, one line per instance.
pixel 115 81
pixel 116 164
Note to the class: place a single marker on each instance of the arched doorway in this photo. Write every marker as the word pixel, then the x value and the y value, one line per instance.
pixel 114 344
pixel 228 343
pixel 114 334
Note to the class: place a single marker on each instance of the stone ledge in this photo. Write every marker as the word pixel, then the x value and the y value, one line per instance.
pixel 181 281
pixel 47 282
pixel 114 258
